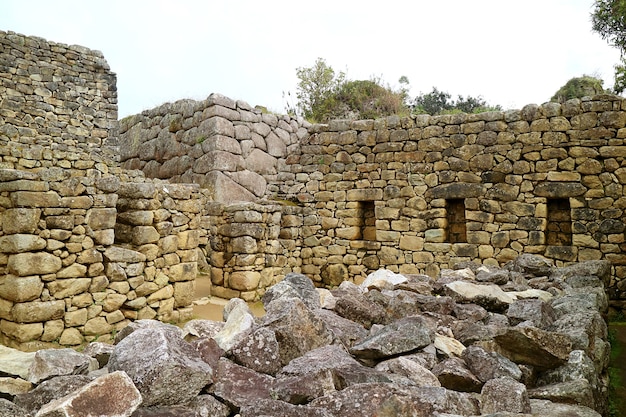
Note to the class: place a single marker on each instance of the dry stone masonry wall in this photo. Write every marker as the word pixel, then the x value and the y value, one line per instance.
pixel 85 246
pixel 247 196
pixel 421 193
pixel 59 105
pixel 236 151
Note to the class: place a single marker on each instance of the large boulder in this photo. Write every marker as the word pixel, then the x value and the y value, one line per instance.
pixel 297 329
pixel 49 363
pixel 294 286
pixel 402 336
pixel 165 369
pixel 111 395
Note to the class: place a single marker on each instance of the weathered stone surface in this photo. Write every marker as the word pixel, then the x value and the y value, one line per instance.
pixel 294 285
pixel 113 394
pixel 239 322
pixel 490 365
pixel 343 329
pixel 453 374
pixel 117 254
pixel 321 371
pixel 20 289
pixel 533 346
pixel 10 387
pixel 549 408
pixel 532 265
pixel 274 408
pixel 577 391
pixel 504 395
pixel 537 312
pixel 100 352
pixel 8 409
pixel 383 280
pixel 410 369
pixel 38 311
pixel 21 243
pixel 199 329
pixel 296 327
pixel 15 362
pixel 239 386
pixel 356 307
pixel 486 295
pixel 37 263
pixel 50 390
pixel 401 336
pixel 49 363
pixel 258 351
pixel 384 400
pixel 170 371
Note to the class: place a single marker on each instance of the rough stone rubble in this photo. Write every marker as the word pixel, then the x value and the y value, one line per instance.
pixel 527 339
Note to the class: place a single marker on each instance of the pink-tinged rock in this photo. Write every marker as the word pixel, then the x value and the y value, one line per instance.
pixel 274 408
pixel 401 336
pixel 320 372
pixel 380 400
pixel 240 386
pixel 258 351
pixel 297 329
pixel 165 369
pixel 49 363
pixel 50 390
pixel 111 395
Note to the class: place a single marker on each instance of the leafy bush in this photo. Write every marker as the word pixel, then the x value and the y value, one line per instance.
pixel 441 102
pixel 578 87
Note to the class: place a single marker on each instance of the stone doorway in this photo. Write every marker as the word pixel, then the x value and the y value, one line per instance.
pixel 559 229
pixel 457 228
pixel 367 220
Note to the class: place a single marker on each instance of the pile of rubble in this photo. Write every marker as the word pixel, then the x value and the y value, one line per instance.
pixel 525 339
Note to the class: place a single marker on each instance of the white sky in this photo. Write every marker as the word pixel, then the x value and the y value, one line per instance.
pixel 511 53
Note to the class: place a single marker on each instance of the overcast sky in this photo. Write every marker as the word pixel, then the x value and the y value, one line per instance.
pixel 511 53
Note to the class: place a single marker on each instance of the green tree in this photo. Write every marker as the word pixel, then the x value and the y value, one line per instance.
pixel 609 21
pixel 441 102
pixel 316 88
pixel 323 94
pixel 578 87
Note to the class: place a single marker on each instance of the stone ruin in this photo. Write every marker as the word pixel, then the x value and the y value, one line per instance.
pixel 92 248
pixel 524 340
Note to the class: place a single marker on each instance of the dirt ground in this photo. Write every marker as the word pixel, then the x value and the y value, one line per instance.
pixel 210 308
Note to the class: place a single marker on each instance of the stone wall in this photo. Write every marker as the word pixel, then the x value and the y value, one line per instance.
pixel 413 194
pixel 252 246
pixel 422 193
pixel 85 246
pixel 225 146
pixel 82 256
pixel 58 105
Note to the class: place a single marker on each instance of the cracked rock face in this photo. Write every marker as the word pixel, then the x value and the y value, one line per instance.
pixel 408 346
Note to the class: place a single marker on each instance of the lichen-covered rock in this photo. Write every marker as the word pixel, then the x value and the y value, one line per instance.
pixel 50 390
pixel 113 395
pixel 239 386
pixel 49 363
pixel 298 330
pixel 258 351
pixel 165 369
pixel 504 394
pixel 294 285
pixel 402 336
